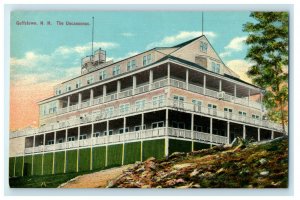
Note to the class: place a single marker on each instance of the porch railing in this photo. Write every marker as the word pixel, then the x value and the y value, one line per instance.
pixel 131 136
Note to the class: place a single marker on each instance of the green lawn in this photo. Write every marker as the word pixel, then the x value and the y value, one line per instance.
pixel 48 181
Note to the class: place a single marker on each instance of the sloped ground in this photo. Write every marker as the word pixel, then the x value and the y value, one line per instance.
pixel 95 180
pixel 241 165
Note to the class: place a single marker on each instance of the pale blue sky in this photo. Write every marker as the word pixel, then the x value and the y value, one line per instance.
pixel 54 52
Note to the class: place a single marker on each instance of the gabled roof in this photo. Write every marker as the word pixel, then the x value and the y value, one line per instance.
pixel 202 68
pixel 187 42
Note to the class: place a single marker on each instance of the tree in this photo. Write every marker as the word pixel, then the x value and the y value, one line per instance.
pixel 268 51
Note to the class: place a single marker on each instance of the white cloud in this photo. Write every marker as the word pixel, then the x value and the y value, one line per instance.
pixel 83 49
pixel 129 54
pixel 240 67
pixel 127 34
pixel 180 37
pixel 62 63
pixel 235 45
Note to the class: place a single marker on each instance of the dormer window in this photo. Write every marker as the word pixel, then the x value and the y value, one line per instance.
pixel 78 84
pixel 102 75
pixel 203 47
pixel 131 65
pixel 146 60
pixel 116 70
pixel 215 67
pixel 90 80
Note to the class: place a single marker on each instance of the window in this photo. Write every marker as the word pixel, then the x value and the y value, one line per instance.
pixel 110 132
pixel 109 111
pixel 137 128
pixel 71 138
pixel 211 106
pixel 197 102
pixel 102 75
pixel 52 107
pixel 180 125
pixel 57 91
pixel 116 70
pixel 198 128
pixel 124 108
pixel 147 60
pixel 157 124
pixel 126 130
pixel 178 98
pixel 83 137
pixel 158 100
pixel 140 104
pixel 68 87
pixel 131 65
pixel 215 67
pixel 242 113
pixel 255 116
pixel 90 80
pixel 78 84
pixel 50 142
pixel 228 110
pixel 97 134
pixel 203 47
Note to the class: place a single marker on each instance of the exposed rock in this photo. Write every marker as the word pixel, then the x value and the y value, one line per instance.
pixel 194 173
pixel 263 161
pixel 183 165
pixel 264 173
pixel 217 167
pixel 176 155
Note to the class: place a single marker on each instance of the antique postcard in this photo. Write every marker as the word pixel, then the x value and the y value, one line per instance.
pixel 139 99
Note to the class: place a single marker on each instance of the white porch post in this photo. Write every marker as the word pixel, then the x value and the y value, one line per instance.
pixel 150 79
pixel 118 88
pixel 78 147
pixel 234 92
pixel 167 138
pixel 66 139
pixel 91 154
pixel 169 74
pixel 107 128
pixel 79 100
pixel 211 130
pixel 34 142
pixel 187 79
pixel 107 135
pixel 54 138
pixel 66 135
pixel 78 135
pixel 142 122
pixel 249 93
pixel 261 99
pixel 258 134
pixel 68 104
pixel 192 131
pixel 124 125
pixel 220 85
pixel 272 135
pixel 123 146
pixel 44 141
pixel 104 92
pixel 53 163
pixel 228 132
pixel 133 84
pixel 204 83
pixel 91 97
pixel 244 131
